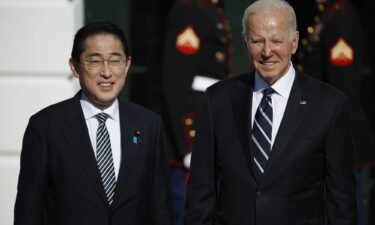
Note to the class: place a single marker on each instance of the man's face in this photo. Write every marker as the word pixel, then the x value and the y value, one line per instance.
pixel 102 69
pixel 270 45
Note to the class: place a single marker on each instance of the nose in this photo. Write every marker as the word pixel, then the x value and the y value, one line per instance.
pixel 267 50
pixel 106 71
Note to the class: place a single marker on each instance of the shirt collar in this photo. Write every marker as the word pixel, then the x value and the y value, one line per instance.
pixel 281 86
pixel 89 110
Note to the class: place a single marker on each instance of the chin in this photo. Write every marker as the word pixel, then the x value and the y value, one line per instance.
pixel 105 100
pixel 267 74
pixel 107 96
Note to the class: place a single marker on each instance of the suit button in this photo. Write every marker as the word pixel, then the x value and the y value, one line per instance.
pixel 258 193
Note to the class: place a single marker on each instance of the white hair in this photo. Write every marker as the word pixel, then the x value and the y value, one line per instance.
pixel 268 6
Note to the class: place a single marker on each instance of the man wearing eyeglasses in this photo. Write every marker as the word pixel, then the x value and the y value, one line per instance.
pixel 94 159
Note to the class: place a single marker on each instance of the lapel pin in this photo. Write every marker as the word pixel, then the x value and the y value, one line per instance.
pixel 137 137
pixel 303 102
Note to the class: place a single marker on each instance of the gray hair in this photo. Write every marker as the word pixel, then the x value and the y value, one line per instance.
pixel 267 6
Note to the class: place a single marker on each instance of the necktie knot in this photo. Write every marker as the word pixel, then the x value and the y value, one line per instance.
pixel 102 117
pixel 268 91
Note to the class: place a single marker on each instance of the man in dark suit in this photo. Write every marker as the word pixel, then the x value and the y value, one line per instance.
pixel 94 159
pixel 273 147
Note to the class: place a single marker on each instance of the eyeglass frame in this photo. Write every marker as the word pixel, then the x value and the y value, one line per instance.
pixel 102 61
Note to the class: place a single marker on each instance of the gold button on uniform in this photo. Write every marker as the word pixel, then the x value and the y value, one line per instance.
pixel 219 56
pixel 188 122
pixel 192 133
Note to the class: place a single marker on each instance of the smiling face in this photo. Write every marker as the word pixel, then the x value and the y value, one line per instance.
pixel 270 43
pixel 101 85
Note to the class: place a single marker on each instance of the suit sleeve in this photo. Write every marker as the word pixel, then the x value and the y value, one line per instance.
pixel 32 178
pixel 201 199
pixel 341 204
pixel 160 199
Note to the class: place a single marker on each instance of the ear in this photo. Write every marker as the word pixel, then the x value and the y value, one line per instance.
pixel 74 67
pixel 244 42
pixel 295 42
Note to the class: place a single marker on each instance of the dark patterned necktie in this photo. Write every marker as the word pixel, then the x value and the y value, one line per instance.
pixel 104 157
pixel 261 134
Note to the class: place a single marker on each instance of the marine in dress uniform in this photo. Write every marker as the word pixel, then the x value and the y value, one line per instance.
pixel 198 52
pixel 333 50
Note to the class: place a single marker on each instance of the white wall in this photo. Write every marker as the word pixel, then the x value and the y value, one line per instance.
pixel 36 38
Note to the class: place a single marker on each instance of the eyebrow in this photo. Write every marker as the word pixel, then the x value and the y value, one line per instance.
pixel 99 55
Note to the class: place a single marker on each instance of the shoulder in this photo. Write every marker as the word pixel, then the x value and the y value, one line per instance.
pixel 235 81
pixel 57 109
pixel 231 84
pixel 137 111
pixel 322 90
pixel 53 116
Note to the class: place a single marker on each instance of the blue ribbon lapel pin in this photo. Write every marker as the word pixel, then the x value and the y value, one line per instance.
pixel 137 138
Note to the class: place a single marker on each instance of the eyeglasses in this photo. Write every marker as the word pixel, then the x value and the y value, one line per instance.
pixel 96 63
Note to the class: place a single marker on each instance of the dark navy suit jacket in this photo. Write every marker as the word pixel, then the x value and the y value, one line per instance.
pixel 60 183
pixel 309 178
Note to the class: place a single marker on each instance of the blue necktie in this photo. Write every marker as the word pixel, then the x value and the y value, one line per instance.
pixel 261 134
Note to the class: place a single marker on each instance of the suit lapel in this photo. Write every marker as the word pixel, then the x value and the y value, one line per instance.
pixel 241 100
pixel 297 106
pixel 76 132
pixel 130 151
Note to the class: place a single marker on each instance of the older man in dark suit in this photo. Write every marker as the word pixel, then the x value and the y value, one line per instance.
pixel 94 159
pixel 273 147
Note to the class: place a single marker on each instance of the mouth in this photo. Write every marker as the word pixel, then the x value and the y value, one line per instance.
pixel 106 84
pixel 268 63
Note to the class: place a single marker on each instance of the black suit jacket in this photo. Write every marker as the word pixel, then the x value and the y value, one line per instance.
pixel 309 177
pixel 60 183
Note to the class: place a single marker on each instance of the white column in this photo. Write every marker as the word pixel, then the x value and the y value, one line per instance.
pixel 36 38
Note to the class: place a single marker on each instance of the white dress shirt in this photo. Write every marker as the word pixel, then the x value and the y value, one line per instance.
pixel 113 127
pixel 280 98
